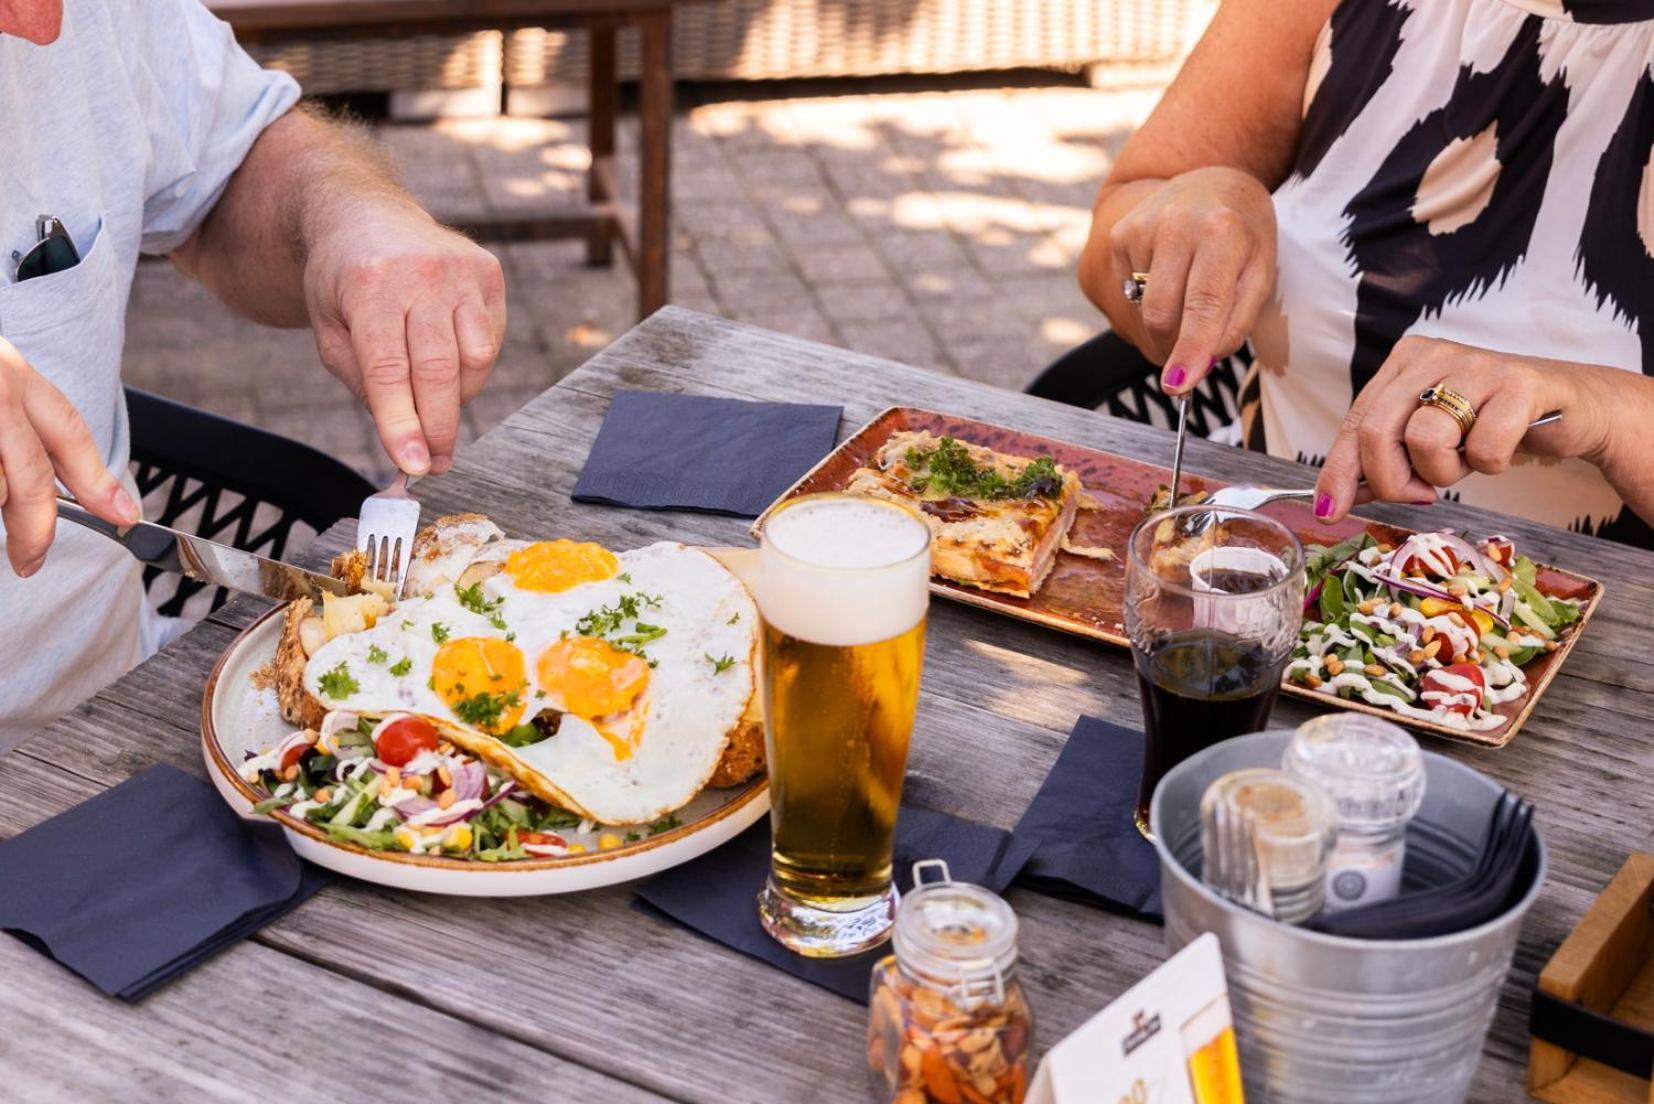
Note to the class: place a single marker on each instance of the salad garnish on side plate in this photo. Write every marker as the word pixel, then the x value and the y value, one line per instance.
pixel 1436 628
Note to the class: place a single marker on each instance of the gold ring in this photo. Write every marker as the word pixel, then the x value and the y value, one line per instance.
pixel 1458 407
pixel 1133 287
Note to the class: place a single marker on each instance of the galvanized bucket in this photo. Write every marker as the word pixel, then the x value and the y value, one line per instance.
pixel 1327 1020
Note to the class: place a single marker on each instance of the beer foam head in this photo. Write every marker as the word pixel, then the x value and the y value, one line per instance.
pixel 844 570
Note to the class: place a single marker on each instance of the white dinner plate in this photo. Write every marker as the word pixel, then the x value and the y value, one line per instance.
pixel 237 717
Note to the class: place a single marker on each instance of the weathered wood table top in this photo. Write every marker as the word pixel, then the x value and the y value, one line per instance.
pixel 370 993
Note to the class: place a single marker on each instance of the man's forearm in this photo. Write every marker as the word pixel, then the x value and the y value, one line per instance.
pixel 303 177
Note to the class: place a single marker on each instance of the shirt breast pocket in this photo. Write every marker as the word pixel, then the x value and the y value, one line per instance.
pixel 69 326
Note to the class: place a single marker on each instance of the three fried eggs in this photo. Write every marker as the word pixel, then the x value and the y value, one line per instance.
pixel 637 665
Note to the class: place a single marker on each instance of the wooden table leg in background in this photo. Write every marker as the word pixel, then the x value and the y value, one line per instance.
pixel 655 157
pixel 600 128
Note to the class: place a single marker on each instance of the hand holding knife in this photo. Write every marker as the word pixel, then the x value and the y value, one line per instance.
pixel 205 560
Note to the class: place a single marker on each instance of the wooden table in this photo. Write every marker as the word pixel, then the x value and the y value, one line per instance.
pixel 582 998
pixel 602 220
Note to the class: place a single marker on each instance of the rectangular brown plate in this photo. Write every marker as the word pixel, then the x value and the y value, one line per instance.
pixel 1084 596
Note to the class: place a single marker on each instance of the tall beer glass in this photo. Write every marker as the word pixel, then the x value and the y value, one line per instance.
pixel 843 586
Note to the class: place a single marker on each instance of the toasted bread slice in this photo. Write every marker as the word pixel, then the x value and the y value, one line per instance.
pixel 1006 544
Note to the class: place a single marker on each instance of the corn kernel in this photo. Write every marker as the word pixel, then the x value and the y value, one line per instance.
pixel 577 849
pixel 406 838
pixel 458 838
pixel 608 841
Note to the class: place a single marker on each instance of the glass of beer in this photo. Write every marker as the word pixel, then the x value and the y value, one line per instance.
pixel 842 585
pixel 1214 598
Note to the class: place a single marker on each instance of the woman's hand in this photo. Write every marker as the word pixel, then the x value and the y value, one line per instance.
pixel 1206 238
pixel 1405 450
pixel 42 439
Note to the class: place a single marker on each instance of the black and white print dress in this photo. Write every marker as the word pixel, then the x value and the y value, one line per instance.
pixel 1474 170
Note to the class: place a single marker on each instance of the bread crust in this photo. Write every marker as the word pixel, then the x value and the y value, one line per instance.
pixel 1007 545
pixel 297 706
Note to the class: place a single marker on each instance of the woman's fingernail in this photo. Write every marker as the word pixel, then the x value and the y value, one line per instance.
pixel 125 506
pixel 32 566
pixel 1175 375
pixel 416 458
pixel 1323 505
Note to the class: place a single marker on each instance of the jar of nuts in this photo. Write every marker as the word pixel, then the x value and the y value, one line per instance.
pixel 948 1020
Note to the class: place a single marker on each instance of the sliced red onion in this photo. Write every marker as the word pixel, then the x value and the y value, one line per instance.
pixel 470 779
pixel 1312 599
pixel 1475 557
pixel 1415 586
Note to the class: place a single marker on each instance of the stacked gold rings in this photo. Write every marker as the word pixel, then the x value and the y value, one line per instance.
pixel 1455 405
pixel 1133 287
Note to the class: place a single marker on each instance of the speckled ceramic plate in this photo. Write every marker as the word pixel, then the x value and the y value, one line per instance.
pixel 1084 595
pixel 237 717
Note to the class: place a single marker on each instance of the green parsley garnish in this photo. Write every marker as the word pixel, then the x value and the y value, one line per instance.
pixel 735 618
pixel 497 621
pixel 337 683
pixel 949 470
pixel 719 666
pixel 664 824
pixel 633 837
pixel 625 576
pixel 472 598
pixel 439 632
pixel 376 654
pixel 402 666
pixel 485 710
pixel 606 623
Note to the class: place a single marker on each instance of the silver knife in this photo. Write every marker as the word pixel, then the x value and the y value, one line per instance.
pixel 1177 453
pixel 205 560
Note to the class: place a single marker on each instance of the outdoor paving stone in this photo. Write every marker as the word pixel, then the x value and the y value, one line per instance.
pixel 1007 362
pixel 867 302
pixel 804 321
pixel 839 264
pixel 956 280
pixel 903 339
pixel 734 258
pixel 806 231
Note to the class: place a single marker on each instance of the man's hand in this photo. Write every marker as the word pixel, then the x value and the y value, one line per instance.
pixel 410 316
pixel 43 438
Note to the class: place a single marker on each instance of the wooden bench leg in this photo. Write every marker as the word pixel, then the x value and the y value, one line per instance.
pixel 600 125
pixel 655 157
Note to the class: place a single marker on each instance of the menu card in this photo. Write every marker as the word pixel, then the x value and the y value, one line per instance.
pixel 1169 1039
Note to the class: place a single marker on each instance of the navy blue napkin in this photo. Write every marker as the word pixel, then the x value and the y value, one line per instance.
pixel 691 452
pixel 138 884
pixel 1084 844
pixel 717 894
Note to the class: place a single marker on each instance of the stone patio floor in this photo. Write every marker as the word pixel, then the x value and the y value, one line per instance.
pixel 936 227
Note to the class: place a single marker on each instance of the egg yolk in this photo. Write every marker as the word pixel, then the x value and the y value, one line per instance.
pixel 552 566
pixel 483 680
pixel 594 679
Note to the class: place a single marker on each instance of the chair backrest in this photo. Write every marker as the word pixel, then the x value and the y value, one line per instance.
pixel 1108 372
pixel 233 483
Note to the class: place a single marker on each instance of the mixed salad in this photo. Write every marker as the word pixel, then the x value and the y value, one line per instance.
pixel 1436 628
pixel 393 784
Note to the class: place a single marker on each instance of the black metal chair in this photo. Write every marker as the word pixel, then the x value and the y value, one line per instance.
pixel 1108 372
pixel 232 483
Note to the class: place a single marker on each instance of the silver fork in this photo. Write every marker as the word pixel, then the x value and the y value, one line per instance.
pixel 385 531
pixel 1249 496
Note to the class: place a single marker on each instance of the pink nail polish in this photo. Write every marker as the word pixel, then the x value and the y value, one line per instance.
pixel 124 504
pixel 1175 375
pixel 1323 505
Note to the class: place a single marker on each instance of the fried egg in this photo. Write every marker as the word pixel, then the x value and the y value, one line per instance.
pixel 639 665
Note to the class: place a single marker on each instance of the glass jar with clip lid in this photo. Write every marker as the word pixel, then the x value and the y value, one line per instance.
pixel 949 1023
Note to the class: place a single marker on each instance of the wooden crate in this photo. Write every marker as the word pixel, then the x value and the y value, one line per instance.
pixel 1593 1011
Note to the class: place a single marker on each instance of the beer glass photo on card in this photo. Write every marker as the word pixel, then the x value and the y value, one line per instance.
pixel 842 584
pixel 1214 598
pixel 1169 1039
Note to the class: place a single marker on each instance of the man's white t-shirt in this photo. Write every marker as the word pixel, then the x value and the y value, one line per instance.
pixel 127 128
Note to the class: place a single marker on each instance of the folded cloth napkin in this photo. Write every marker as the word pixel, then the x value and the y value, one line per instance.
pixel 1084 845
pixel 1504 870
pixel 138 884
pixel 691 452
pixel 717 894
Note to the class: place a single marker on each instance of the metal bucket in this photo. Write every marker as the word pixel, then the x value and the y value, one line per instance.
pixel 1322 1019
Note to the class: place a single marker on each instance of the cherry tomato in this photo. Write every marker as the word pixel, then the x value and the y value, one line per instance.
pixel 398 742
pixel 1446 681
pixel 543 838
pixel 1416 565
pixel 293 754
pixel 1501 551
